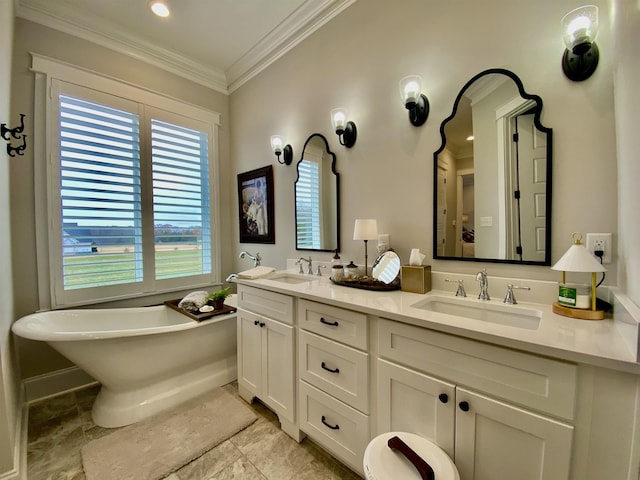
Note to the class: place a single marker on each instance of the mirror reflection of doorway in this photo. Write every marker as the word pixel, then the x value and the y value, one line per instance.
pixel 465 233
pixel 527 182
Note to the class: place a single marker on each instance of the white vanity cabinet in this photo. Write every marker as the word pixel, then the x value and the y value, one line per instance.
pixel 333 371
pixel 266 352
pixel 500 414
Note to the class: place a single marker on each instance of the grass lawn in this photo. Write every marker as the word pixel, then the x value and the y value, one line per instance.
pixel 109 268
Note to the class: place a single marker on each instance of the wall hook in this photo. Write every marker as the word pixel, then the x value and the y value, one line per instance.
pixel 8 134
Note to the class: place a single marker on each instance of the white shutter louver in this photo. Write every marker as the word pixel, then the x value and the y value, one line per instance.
pixel 308 205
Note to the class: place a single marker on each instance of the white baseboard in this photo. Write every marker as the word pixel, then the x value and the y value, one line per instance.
pixel 19 471
pixel 56 383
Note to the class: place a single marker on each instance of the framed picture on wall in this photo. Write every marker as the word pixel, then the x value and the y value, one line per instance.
pixel 255 205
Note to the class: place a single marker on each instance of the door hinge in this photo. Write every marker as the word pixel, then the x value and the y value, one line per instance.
pixel 516 194
pixel 519 250
pixel 515 137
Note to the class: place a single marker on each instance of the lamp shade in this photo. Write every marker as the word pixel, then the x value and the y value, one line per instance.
pixel 578 259
pixel 410 89
pixel 580 26
pixel 365 229
pixel 276 144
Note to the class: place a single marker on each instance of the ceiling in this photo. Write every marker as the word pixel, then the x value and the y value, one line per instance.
pixel 218 43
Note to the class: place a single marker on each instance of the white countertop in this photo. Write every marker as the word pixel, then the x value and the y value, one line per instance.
pixel 609 343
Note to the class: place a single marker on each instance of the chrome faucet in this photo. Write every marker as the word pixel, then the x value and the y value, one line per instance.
pixel 256 258
pixel 484 285
pixel 309 265
pixel 510 298
pixel 460 292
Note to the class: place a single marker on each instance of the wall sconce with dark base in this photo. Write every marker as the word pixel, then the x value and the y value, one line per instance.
pixel 414 100
pixel 347 131
pixel 278 149
pixel 16 133
pixel 579 30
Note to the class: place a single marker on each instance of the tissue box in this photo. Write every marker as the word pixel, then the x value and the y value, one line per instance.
pixel 416 279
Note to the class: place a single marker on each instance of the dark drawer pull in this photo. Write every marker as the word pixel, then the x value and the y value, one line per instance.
pixel 331 324
pixel 256 322
pixel 425 470
pixel 324 366
pixel 262 324
pixel 332 427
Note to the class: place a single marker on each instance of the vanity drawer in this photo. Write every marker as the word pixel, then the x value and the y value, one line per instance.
pixel 337 369
pixel 263 302
pixel 537 382
pixel 339 428
pixel 345 326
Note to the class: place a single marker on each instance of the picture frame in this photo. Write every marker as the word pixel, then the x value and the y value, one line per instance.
pixel 256 206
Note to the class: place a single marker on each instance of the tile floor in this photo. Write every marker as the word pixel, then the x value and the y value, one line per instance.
pixel 59 426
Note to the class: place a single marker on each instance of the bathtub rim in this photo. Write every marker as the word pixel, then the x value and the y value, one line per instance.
pixel 24 329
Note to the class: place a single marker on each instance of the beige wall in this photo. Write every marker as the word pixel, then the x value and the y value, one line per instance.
pixel 355 62
pixel 9 411
pixel 35 357
pixel 627 103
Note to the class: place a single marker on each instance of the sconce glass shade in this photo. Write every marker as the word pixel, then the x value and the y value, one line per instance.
pixel 160 8
pixel 347 132
pixel 579 30
pixel 339 120
pixel 580 27
pixel 414 100
pixel 278 149
pixel 410 90
pixel 276 144
pixel 365 229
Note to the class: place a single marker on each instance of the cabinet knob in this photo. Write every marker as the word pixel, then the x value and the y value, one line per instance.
pixel 443 397
pixel 464 406
pixel 262 324
pixel 256 322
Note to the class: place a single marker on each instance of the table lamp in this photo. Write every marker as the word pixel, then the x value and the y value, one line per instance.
pixel 579 259
pixel 365 229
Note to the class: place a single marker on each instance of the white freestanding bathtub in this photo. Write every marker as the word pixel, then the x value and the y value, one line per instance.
pixel 146 359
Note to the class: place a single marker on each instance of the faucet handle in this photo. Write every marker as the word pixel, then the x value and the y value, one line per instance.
pixel 510 298
pixel 299 263
pixel 318 272
pixel 460 292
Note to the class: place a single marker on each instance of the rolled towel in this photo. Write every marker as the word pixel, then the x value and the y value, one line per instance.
pixel 256 272
pixel 194 301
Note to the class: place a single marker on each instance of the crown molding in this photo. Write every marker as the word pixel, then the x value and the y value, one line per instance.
pixel 307 18
pixel 310 16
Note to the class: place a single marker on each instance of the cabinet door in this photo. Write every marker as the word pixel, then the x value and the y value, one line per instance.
pixel 497 441
pixel 250 351
pixel 412 402
pixel 278 367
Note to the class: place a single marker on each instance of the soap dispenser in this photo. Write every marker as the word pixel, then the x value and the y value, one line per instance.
pixel 337 270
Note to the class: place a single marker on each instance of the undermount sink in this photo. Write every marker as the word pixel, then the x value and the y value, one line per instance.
pixel 503 314
pixel 291 278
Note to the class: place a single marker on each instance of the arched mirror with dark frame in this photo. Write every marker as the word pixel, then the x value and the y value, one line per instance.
pixel 317 197
pixel 492 175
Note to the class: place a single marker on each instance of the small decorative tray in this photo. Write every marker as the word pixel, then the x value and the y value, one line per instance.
pixel 199 316
pixel 367 283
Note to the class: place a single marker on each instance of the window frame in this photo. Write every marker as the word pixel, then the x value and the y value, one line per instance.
pixel 52 77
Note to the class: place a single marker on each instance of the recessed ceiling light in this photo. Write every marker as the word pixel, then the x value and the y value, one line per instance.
pixel 470 138
pixel 159 7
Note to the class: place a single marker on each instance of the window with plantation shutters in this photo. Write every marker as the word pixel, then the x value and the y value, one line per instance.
pixel 180 200
pixel 101 218
pixel 130 206
pixel 308 205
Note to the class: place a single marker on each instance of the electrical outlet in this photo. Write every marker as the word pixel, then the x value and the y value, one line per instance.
pixel 600 241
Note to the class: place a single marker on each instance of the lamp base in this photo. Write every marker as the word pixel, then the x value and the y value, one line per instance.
pixel 578 313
